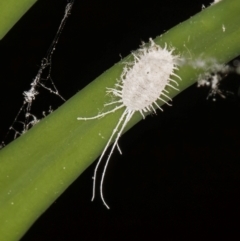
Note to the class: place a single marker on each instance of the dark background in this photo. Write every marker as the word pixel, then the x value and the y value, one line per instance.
pixel 179 174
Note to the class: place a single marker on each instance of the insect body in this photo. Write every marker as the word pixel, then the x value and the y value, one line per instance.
pixel 142 83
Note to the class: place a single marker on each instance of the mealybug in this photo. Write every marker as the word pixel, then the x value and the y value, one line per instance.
pixel 142 83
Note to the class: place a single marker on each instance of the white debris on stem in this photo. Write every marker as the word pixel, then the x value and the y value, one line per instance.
pixel 212 80
pixel 215 2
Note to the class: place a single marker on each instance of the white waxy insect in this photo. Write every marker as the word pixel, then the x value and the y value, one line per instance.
pixel 142 83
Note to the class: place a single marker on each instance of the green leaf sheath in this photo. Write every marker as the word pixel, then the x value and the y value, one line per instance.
pixel 37 167
pixel 10 12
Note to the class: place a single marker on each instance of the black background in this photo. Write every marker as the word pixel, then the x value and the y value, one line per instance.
pixel 179 174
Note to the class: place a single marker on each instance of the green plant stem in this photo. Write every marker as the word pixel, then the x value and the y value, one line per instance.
pixel 10 12
pixel 37 167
